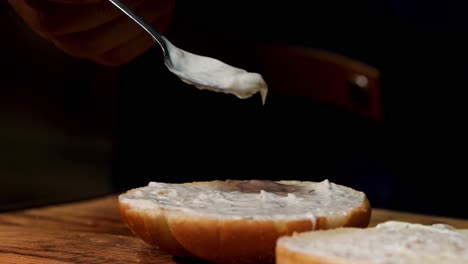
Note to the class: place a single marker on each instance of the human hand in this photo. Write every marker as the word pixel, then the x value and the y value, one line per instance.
pixel 95 29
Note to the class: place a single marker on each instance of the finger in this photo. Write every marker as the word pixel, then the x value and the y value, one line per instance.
pixel 29 15
pixel 129 50
pixel 115 33
pixel 59 19
pixel 76 1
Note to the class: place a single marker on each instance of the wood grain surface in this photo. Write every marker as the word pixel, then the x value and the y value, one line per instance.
pixel 92 232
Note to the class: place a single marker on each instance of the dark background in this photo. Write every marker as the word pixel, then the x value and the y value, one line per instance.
pixel 71 130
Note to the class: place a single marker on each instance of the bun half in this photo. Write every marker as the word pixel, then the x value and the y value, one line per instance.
pixel 237 221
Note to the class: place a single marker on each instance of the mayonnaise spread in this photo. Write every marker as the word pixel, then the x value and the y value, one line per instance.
pixel 254 199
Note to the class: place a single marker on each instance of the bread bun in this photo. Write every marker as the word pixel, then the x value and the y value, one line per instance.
pixel 390 242
pixel 237 221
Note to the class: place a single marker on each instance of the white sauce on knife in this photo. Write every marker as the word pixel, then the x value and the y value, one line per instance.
pixel 194 69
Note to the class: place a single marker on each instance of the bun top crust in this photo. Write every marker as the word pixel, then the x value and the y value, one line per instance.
pixel 255 199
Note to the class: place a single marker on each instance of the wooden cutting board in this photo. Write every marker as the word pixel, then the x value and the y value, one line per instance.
pixel 92 232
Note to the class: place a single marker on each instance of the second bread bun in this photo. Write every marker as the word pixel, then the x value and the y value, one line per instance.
pixel 391 242
pixel 237 221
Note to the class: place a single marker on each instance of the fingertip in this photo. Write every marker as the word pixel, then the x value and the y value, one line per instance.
pixel 75 2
